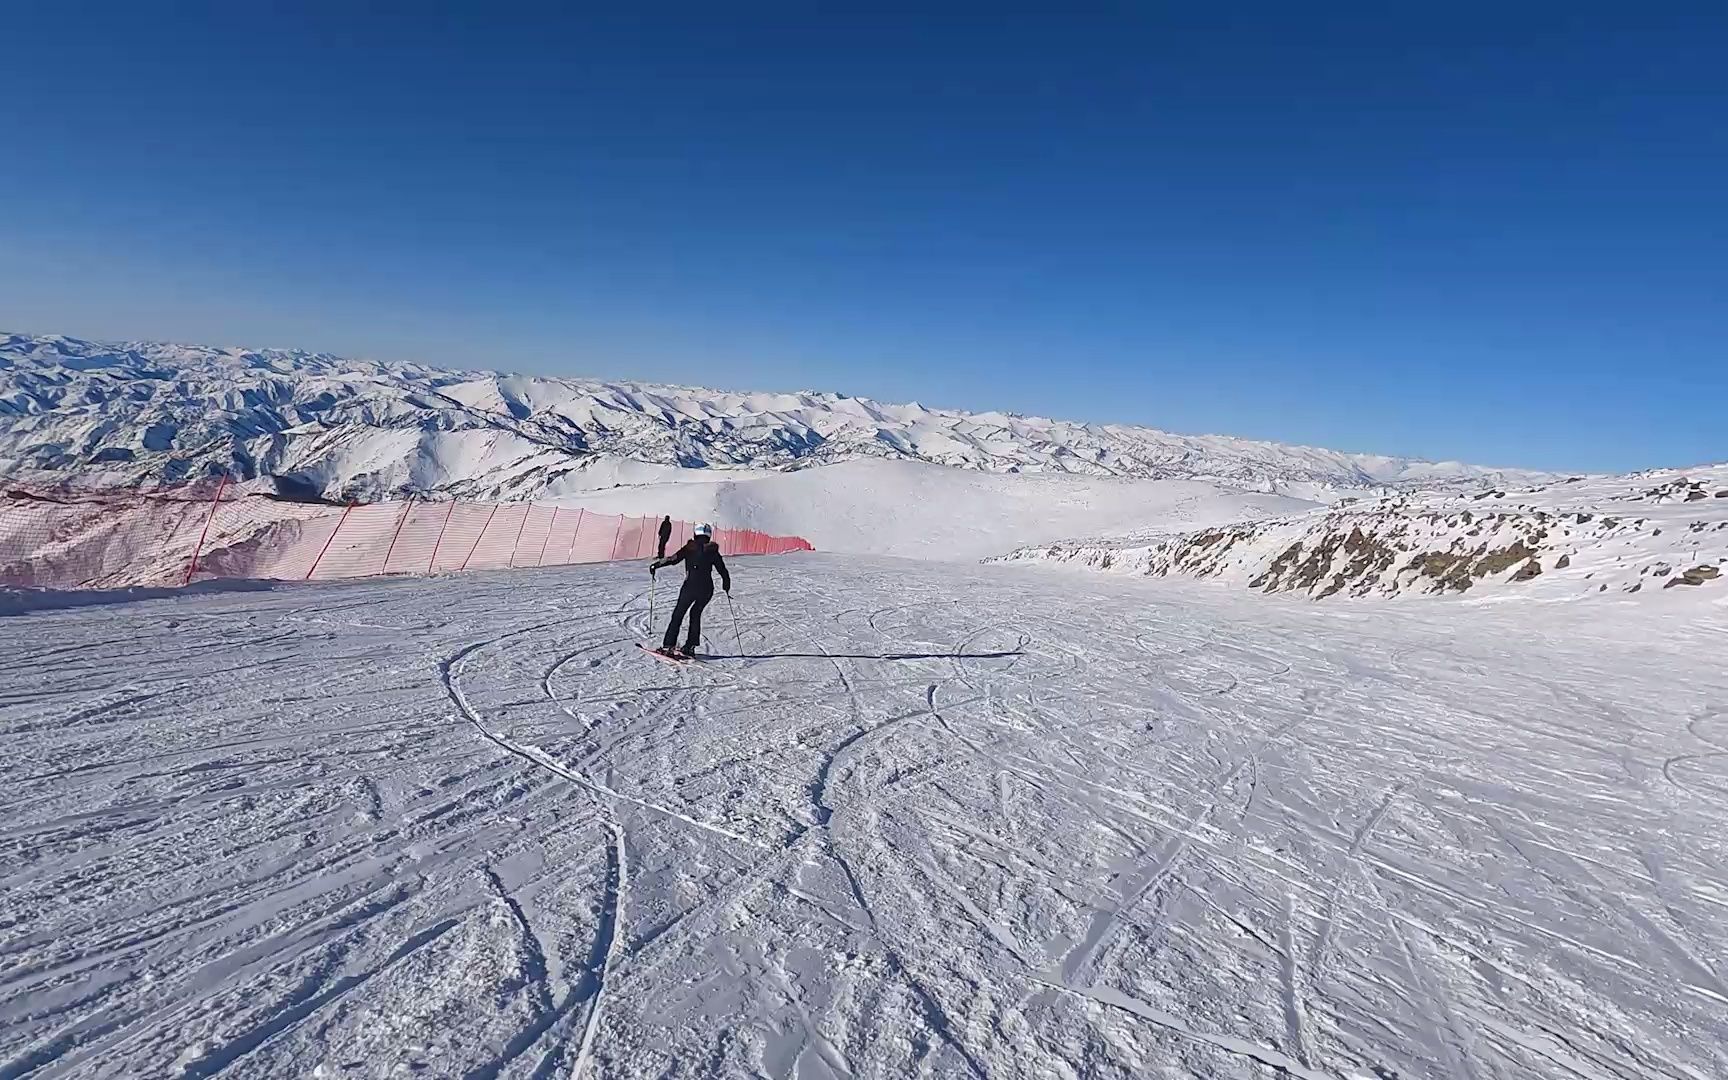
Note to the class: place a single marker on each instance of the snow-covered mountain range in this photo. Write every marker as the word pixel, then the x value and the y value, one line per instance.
pixel 334 427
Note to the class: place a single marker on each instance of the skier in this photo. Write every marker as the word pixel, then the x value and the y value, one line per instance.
pixel 665 535
pixel 700 558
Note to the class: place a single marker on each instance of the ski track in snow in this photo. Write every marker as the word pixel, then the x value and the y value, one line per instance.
pixel 909 820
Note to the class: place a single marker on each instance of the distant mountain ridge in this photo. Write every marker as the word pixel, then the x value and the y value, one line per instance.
pixel 1607 536
pixel 342 427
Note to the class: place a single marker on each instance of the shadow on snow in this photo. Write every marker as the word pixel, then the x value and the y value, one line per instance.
pixel 860 656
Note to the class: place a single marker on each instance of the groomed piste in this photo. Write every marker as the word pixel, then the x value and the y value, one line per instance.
pixel 908 819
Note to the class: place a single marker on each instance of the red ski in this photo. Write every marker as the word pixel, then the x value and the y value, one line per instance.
pixel 664 658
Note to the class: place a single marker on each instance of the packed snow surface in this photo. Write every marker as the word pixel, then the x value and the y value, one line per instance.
pixel 909 819
pixel 339 427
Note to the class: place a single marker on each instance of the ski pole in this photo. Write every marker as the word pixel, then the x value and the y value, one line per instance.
pixel 652 581
pixel 733 608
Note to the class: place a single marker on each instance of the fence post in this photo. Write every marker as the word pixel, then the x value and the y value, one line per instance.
pixel 549 530
pixel 331 539
pixel 438 542
pixel 570 556
pixel 401 521
pixel 520 529
pixel 479 538
pixel 192 568
pixel 616 533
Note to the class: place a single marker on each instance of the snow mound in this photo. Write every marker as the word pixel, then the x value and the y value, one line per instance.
pixel 1650 531
pixel 342 428
pixel 917 510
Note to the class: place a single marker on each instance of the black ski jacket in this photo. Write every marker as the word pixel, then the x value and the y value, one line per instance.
pixel 700 558
pixel 665 529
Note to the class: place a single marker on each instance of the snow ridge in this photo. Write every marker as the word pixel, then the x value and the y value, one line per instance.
pixel 1657 530
pixel 335 427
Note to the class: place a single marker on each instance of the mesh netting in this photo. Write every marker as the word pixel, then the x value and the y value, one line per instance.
pixel 95 540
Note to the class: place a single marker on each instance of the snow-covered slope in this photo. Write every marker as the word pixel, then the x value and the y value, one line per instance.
pixel 1620 535
pixel 335 427
pixel 917 510
pixel 919 820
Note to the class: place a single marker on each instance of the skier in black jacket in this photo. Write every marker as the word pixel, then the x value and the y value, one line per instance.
pixel 700 558
pixel 665 535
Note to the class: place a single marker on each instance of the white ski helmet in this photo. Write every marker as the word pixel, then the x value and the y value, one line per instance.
pixel 704 529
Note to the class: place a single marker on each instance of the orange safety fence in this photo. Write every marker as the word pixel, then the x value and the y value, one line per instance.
pixel 96 540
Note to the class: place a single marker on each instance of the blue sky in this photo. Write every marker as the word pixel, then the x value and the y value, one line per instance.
pixel 1492 233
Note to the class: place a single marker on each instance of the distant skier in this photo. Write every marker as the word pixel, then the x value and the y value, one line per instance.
pixel 700 558
pixel 665 535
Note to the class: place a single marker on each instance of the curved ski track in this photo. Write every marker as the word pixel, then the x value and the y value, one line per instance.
pixel 908 819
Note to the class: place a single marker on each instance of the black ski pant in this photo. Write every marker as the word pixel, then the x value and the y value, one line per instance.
pixel 691 600
pixel 662 554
